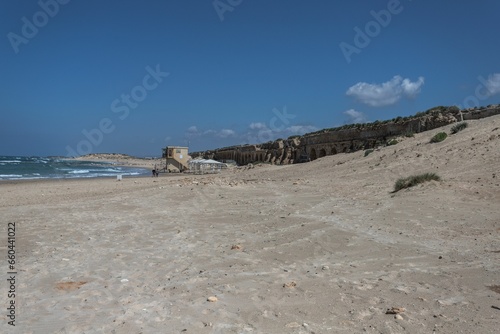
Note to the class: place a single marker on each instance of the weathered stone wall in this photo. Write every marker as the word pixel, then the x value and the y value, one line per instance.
pixel 332 141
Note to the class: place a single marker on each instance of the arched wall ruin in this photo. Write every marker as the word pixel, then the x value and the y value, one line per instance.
pixel 330 142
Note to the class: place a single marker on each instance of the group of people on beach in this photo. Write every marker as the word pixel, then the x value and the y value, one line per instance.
pixel 155 172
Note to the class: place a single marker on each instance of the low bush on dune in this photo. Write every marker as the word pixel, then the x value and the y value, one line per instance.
pixel 368 152
pixel 458 127
pixel 392 142
pixel 439 137
pixel 409 134
pixel 411 181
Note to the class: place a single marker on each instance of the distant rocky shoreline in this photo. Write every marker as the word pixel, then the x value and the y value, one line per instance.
pixel 122 160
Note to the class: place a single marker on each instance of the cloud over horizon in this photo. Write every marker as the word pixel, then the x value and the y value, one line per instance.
pixel 493 84
pixel 257 125
pixel 356 116
pixel 300 129
pixel 387 93
pixel 193 132
pixel 224 133
pixel 257 133
pixel 260 132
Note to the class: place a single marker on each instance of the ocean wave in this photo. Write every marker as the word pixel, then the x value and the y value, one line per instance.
pixel 17 168
pixel 114 170
pixel 10 176
pixel 79 171
pixel 34 177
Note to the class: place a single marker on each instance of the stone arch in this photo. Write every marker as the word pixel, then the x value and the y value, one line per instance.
pixel 312 154
pixel 334 151
pixel 322 153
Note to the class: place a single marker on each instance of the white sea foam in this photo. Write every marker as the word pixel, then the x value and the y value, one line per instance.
pixel 79 171
pixel 114 170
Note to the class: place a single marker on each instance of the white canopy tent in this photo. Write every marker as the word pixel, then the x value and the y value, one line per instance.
pixel 205 166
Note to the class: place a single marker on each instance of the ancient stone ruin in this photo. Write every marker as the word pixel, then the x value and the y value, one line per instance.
pixel 348 138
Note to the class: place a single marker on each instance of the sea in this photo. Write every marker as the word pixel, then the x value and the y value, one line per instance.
pixel 29 168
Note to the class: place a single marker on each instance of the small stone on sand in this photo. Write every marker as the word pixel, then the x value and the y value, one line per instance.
pixel 395 310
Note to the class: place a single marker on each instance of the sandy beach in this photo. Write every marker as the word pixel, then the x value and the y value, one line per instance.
pixel 319 247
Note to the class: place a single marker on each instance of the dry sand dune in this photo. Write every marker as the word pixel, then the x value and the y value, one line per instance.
pixel 322 247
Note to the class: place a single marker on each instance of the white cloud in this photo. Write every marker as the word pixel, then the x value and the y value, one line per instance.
pixel 301 129
pixel 209 132
pixel 387 93
pixel 493 84
pixel 260 132
pixel 193 132
pixel 265 135
pixel 356 116
pixel 412 89
pixel 257 126
pixel 224 133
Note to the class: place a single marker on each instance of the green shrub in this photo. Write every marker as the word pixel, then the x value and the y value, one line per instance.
pixel 439 137
pixel 458 127
pixel 411 181
pixel 409 134
pixel 392 142
pixel 368 152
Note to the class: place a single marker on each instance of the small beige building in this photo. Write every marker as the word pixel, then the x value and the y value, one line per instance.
pixel 176 158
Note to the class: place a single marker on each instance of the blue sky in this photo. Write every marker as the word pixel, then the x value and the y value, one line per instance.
pixel 134 76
